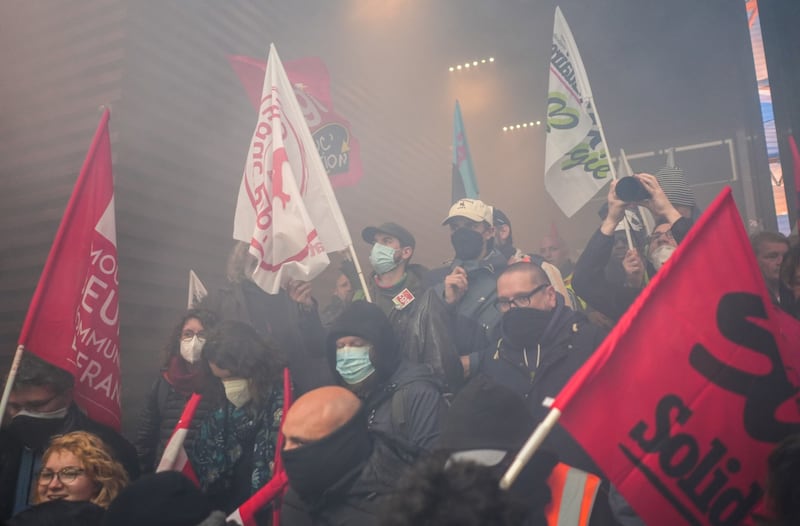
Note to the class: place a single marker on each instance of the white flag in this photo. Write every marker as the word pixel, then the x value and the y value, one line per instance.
pixel 576 162
pixel 197 291
pixel 286 209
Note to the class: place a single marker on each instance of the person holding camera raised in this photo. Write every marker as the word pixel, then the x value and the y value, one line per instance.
pixel 589 280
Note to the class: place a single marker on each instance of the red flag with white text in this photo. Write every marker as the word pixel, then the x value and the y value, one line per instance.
pixel 174 457
pixel 286 210
pixel 684 400
pixel 338 147
pixel 73 318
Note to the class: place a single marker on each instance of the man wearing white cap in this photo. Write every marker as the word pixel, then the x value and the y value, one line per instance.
pixel 468 284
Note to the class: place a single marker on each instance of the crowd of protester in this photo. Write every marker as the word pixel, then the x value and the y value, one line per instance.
pixel 408 409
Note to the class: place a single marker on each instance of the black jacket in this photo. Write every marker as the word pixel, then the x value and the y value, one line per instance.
pixel 357 498
pixel 11 450
pixel 566 345
pixel 474 317
pixel 423 327
pixel 406 400
pixel 157 421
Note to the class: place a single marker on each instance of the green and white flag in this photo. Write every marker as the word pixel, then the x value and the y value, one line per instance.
pixel 576 160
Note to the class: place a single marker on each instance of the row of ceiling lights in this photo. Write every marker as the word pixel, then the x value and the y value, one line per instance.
pixel 476 63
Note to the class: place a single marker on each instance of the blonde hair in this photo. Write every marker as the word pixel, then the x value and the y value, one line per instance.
pixel 107 474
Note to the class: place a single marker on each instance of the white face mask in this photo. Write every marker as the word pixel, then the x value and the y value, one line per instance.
pixel 237 391
pixel 50 415
pixel 660 255
pixel 192 350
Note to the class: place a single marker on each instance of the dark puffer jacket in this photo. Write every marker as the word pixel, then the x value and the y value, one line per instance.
pixel 405 401
pixel 158 419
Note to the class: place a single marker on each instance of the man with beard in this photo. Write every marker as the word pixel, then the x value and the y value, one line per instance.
pixel 339 473
pixel 41 406
pixel 468 283
pixel 538 346
pixel 590 281
pixel 419 317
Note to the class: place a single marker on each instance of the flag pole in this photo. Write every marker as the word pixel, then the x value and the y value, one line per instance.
pixel 360 273
pixel 530 447
pixel 12 375
pixel 590 100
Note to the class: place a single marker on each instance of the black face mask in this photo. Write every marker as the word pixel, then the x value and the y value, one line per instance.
pixel 524 327
pixel 467 243
pixel 315 468
pixel 35 432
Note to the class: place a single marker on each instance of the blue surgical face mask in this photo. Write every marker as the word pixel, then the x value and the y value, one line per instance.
pixel 382 258
pixel 353 364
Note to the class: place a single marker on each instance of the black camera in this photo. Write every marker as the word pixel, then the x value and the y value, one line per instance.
pixel 631 190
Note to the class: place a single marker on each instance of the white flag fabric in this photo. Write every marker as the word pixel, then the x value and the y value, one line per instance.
pixel 576 160
pixel 286 210
pixel 644 219
pixel 197 291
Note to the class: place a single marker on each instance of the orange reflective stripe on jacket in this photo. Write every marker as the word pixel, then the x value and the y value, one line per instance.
pixel 573 493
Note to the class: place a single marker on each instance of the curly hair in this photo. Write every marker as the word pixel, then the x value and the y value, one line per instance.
pixel 238 348
pixel 207 318
pixel 98 464
pixel 436 493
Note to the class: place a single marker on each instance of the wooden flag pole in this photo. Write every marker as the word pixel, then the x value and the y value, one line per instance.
pixel 360 273
pixel 611 168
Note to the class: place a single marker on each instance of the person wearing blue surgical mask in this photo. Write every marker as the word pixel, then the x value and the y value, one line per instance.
pixel 403 400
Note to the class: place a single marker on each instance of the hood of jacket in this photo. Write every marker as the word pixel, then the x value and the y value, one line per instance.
pixel 368 322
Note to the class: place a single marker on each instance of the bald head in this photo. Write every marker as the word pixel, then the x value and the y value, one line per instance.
pixel 317 414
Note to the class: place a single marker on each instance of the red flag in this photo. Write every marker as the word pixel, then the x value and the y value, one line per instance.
pixel 796 169
pixel 276 487
pixel 684 400
pixel 73 318
pixel 175 457
pixel 339 150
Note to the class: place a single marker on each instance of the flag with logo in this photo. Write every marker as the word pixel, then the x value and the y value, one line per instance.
pixel 197 291
pixel 286 210
pixel 464 183
pixel 174 457
pixel 576 160
pixel 685 399
pixel 338 148
pixel 73 318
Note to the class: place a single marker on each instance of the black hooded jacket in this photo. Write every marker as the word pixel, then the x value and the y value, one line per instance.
pixel 405 401
pixel 566 344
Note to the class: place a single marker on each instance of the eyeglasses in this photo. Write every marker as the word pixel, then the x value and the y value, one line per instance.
pixel 65 475
pixel 188 334
pixel 523 300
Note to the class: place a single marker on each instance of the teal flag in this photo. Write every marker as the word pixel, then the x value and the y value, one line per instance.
pixel 464 184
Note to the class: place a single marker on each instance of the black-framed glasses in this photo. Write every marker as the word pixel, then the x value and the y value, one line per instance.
pixel 523 300
pixel 667 234
pixel 65 475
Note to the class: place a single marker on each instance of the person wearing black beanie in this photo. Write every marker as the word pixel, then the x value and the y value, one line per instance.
pixel 403 400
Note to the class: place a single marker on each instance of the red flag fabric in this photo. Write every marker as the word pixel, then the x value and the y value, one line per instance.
pixel 339 149
pixel 174 457
pixel 276 487
pixel 73 318
pixel 685 399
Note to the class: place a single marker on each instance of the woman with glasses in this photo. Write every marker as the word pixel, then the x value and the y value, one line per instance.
pixel 184 372
pixel 78 467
